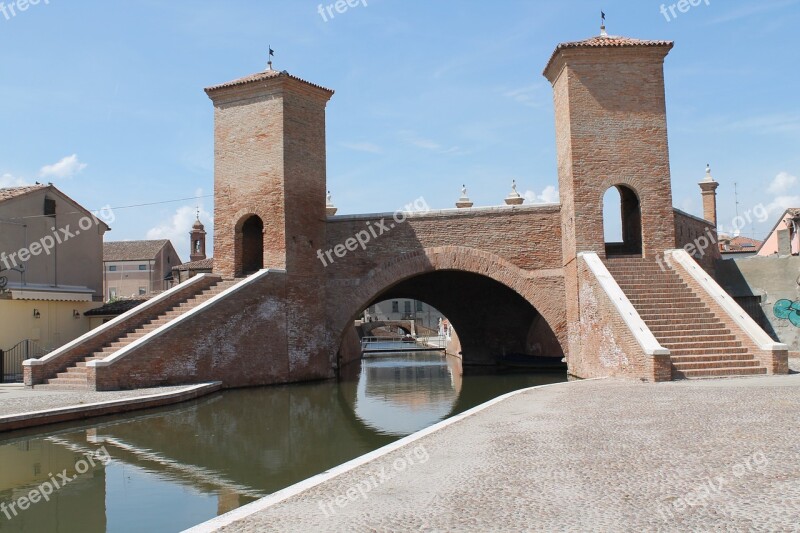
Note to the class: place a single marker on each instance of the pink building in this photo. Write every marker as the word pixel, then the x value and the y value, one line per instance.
pixel 784 239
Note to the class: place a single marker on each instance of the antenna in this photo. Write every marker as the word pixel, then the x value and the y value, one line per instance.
pixel 736 206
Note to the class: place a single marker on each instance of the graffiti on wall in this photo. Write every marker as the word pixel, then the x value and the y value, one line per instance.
pixel 788 310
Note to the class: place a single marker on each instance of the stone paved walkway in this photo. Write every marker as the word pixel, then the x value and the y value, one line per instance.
pixel 720 455
pixel 15 399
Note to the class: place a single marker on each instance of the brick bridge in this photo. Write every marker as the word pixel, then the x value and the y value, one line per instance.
pixel 519 278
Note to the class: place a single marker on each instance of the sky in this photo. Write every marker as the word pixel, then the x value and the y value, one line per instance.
pixel 105 99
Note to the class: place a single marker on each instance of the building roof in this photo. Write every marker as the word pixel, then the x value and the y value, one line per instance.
pixel 116 308
pixel 606 41
pixel 794 212
pixel 738 244
pixel 202 264
pixel 12 192
pixel 261 76
pixel 132 250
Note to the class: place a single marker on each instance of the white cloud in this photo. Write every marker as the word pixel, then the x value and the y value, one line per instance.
pixel 549 196
pixel 781 203
pixel 530 96
pixel 178 226
pixel 363 147
pixel 782 183
pixel 427 144
pixel 66 168
pixel 7 180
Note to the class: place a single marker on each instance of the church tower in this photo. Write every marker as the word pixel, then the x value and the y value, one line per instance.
pixel 197 240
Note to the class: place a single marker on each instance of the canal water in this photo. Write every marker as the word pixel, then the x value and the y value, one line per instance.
pixel 172 468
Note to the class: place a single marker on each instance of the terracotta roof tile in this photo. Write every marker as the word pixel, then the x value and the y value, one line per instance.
pixel 132 250
pixel 607 41
pixel 260 76
pixel 738 244
pixel 202 264
pixel 12 192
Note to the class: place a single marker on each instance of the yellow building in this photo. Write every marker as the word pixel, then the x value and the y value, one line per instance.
pixel 51 260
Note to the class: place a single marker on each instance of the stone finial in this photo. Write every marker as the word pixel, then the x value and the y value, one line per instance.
pixel 708 178
pixel 514 197
pixel 330 209
pixel 464 200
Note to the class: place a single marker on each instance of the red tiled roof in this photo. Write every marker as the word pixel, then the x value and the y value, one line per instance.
pixel 132 250
pixel 738 244
pixel 201 264
pixel 260 76
pixel 609 41
pixel 12 192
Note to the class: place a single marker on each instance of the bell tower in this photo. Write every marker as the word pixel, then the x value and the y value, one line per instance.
pixel 197 240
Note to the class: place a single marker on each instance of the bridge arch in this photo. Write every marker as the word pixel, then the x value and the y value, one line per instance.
pixel 483 295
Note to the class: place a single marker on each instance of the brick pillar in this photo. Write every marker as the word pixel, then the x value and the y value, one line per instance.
pixel 709 190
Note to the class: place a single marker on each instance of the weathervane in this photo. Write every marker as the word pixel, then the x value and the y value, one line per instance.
pixel 271 55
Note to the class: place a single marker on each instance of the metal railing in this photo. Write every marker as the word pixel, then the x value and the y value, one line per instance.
pixel 401 343
pixel 11 360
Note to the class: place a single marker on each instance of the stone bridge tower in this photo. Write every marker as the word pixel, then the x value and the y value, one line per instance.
pixel 611 131
pixel 269 174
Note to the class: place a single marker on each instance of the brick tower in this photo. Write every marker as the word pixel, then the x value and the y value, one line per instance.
pixel 269 173
pixel 708 186
pixel 611 131
pixel 269 203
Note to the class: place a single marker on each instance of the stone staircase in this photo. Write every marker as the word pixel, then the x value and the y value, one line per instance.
pixel 75 376
pixel 700 343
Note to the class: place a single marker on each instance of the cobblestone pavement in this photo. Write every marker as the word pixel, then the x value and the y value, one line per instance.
pixel 604 455
pixel 17 399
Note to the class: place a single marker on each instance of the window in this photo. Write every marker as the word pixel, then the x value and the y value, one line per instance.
pixel 112 268
pixel 407 306
pixel 419 306
pixel 142 291
pixel 395 306
pixel 142 267
pixel 49 207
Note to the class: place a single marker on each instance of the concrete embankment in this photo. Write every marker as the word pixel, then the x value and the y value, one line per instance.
pixel 601 455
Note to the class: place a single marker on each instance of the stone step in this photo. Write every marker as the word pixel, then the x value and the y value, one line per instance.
pixel 68 381
pixel 679 345
pixel 720 372
pixel 72 375
pixel 700 351
pixel 53 384
pixel 705 358
pixel 703 365
pixel 77 370
pixel 676 337
pixel 699 320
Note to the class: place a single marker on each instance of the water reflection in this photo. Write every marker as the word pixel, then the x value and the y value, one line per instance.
pixel 400 394
pixel 174 467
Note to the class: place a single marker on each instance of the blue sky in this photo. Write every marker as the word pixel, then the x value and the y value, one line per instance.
pixel 105 99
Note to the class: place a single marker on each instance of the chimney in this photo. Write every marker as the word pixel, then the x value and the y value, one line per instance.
pixel 709 188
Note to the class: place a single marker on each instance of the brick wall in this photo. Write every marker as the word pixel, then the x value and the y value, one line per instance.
pixel 601 343
pixel 698 237
pixel 240 340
